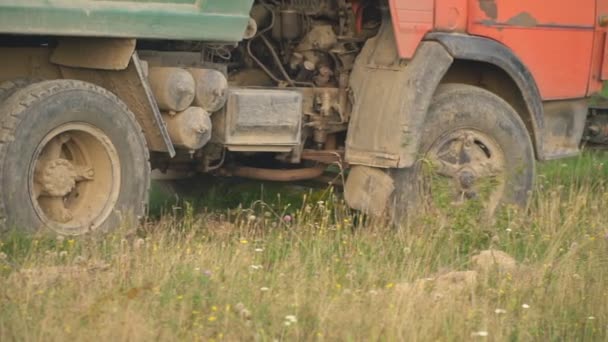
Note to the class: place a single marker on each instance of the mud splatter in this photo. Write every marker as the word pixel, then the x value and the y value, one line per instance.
pixel 523 19
pixel 489 8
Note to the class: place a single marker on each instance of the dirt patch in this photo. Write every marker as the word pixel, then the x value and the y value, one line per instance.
pixel 47 276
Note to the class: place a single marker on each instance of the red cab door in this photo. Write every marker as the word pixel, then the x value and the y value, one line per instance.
pixel 554 39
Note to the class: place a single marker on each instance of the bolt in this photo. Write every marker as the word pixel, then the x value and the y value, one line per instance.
pixel 466 179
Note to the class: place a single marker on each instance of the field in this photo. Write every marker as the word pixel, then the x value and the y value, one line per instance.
pixel 303 267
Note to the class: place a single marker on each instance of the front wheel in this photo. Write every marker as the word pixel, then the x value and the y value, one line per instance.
pixel 475 152
pixel 73 159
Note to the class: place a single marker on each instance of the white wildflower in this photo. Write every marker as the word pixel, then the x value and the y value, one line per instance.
pixel 500 311
pixel 480 334
pixel 525 306
pixel 264 289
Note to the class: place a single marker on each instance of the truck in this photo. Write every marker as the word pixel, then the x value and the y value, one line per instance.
pixel 97 94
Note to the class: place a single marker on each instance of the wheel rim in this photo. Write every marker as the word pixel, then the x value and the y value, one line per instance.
pixel 465 167
pixel 74 178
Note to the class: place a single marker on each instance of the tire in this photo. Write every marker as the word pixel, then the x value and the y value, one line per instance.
pixel 73 159
pixel 8 88
pixel 487 140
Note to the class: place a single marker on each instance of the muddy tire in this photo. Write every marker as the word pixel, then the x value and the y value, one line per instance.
pixel 8 88
pixel 73 159
pixel 474 149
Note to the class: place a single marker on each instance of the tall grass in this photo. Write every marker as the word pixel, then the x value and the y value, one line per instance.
pixel 319 272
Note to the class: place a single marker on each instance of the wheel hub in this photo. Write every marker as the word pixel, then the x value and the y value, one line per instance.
pixel 466 179
pixel 472 163
pixel 75 178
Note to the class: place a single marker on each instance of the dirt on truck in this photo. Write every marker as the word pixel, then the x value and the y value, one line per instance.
pixel 418 101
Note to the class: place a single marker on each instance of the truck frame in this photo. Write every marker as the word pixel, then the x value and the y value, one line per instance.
pixel 98 93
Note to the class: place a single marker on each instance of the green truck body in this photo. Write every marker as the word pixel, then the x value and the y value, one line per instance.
pixel 204 20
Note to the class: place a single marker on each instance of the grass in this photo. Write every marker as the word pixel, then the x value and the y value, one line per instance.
pixel 313 270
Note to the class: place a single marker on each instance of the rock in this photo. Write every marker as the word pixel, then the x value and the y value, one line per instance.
pixel 488 259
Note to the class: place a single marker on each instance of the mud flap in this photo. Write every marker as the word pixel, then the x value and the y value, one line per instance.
pixel 368 190
pixel 391 99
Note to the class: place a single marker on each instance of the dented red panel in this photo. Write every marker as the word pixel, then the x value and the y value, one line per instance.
pixel 412 19
pixel 451 15
pixel 554 41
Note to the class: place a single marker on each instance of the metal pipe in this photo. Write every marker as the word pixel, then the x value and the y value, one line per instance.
pixel 278 175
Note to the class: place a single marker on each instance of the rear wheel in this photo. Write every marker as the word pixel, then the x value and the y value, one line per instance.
pixel 475 153
pixel 72 159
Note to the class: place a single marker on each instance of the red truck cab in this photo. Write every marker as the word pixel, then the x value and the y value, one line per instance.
pixel 562 44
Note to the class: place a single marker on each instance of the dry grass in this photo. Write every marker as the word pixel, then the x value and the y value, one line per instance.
pixel 326 274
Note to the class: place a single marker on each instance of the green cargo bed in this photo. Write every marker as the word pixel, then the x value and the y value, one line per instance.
pixel 208 20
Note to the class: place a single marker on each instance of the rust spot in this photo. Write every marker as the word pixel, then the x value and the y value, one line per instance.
pixel 523 19
pixel 489 8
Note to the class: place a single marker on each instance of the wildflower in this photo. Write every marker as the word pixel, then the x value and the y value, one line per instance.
pixel 591 318
pixel 259 250
pixel 251 218
pixel 480 334
pixel 3 256
pixel 212 318
pixel 180 297
pixel 71 243
pixel 63 254
pixel 509 230
pixel 214 308
pixel 291 318
pixel 244 241
pixel 525 306
pixel 264 289
pixel 287 218
pixel 207 273
pixel 60 239
pixel 389 285
pixel 500 311
pixel 256 267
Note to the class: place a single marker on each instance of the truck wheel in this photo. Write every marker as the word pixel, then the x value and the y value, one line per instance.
pixel 8 88
pixel 475 153
pixel 72 159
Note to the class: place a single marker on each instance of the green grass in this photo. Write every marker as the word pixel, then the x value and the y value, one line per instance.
pixel 246 273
